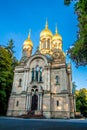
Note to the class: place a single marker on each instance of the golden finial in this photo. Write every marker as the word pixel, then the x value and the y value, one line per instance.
pixel 56 31
pixel 46 26
pixel 29 33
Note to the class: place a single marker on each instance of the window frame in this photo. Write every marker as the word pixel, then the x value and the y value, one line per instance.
pixel 20 83
pixel 57 103
pixel 57 80
pixel 17 103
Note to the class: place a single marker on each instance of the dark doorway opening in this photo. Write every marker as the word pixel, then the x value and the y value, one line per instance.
pixel 34 102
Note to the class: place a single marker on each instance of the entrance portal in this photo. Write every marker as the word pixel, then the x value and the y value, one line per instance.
pixel 34 102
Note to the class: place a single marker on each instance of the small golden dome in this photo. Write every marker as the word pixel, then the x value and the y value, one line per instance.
pixel 28 42
pixel 56 36
pixel 46 31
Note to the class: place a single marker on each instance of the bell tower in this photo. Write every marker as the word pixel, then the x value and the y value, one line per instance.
pixel 27 47
pixel 56 41
pixel 45 40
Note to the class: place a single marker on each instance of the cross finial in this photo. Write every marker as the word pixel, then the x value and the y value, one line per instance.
pixel 56 31
pixel 29 33
pixel 46 26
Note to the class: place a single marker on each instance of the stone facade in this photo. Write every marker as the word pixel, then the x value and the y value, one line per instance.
pixel 43 84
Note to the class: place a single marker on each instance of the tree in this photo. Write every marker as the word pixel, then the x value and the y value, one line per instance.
pixel 67 2
pixel 10 48
pixel 7 64
pixel 73 87
pixel 81 101
pixel 78 53
pixel 5 76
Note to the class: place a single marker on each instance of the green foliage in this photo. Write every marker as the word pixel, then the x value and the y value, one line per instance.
pixel 78 53
pixel 10 47
pixel 7 64
pixel 73 87
pixel 81 101
pixel 67 2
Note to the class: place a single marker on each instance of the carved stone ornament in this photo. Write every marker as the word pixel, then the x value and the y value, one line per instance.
pixel 59 56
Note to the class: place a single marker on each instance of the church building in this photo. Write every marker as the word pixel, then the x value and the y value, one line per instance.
pixel 43 81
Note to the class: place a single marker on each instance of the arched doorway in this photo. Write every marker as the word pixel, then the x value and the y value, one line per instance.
pixel 34 102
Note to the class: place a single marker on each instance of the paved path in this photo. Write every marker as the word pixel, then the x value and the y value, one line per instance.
pixel 41 124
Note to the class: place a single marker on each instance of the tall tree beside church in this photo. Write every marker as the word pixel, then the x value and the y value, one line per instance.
pixel 10 48
pixel 7 64
pixel 81 101
pixel 78 52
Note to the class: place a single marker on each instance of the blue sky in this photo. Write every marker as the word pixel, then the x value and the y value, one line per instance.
pixel 18 16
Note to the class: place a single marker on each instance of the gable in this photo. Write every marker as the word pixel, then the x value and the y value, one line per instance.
pixel 36 60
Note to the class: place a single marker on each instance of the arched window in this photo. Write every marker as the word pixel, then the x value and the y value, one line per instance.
pixel 40 74
pixel 20 82
pixel 37 69
pixel 57 79
pixel 32 74
pixel 44 44
pixel 37 74
pixel 48 43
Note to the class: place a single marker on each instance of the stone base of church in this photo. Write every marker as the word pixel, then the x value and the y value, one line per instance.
pixel 46 114
pixel 16 112
pixel 37 112
pixel 60 114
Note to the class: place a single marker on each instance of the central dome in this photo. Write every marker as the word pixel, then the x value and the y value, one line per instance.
pixel 46 31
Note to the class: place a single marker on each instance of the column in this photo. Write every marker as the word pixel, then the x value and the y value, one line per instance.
pixel 49 78
pixel 24 80
pixel 69 81
pixel 34 74
pixel 41 102
pixel 28 78
pixel 28 102
pixel 38 102
pixel 26 107
pixel 38 76
pixel 45 78
pixel 29 105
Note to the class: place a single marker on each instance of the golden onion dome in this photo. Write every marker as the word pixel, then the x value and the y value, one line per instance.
pixel 28 42
pixel 46 31
pixel 56 36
